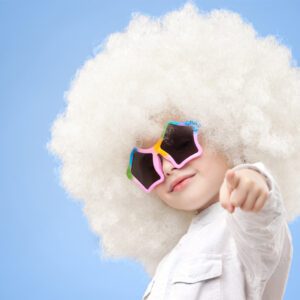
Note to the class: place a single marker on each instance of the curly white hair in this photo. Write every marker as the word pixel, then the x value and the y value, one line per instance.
pixel 188 65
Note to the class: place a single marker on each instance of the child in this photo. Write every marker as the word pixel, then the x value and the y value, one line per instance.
pixel 244 255
pixel 218 235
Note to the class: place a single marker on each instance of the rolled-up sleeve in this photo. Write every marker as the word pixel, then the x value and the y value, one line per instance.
pixel 259 236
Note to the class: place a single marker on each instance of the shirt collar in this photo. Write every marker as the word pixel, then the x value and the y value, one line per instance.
pixel 207 215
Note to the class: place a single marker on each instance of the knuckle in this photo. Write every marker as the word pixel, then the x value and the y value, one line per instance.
pixel 246 180
pixel 246 207
pixel 255 190
pixel 251 184
pixel 234 202
pixel 266 194
pixel 257 206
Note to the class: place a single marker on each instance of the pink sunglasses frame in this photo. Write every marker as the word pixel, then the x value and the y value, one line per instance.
pixel 156 149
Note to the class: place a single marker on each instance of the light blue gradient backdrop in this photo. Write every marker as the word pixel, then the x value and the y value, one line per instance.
pixel 47 250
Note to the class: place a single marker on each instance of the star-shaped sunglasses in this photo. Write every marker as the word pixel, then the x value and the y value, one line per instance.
pixel 178 144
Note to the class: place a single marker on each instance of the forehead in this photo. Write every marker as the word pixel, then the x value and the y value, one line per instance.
pixel 148 142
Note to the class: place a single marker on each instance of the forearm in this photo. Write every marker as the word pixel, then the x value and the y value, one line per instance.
pixel 259 235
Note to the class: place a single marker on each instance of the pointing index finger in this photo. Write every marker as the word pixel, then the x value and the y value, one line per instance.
pixel 232 180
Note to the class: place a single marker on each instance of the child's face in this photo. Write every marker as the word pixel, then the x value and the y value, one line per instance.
pixel 201 190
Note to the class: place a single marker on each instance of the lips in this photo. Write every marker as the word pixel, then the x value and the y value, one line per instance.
pixel 178 180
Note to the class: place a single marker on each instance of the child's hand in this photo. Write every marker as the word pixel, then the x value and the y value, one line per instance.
pixel 244 188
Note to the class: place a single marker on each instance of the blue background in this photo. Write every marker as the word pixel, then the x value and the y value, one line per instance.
pixel 47 250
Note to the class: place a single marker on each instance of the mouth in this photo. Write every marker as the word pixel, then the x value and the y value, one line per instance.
pixel 181 184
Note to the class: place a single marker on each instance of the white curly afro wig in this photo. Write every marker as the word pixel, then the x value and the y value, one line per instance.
pixel 187 65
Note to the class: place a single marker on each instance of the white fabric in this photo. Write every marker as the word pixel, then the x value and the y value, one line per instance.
pixel 244 255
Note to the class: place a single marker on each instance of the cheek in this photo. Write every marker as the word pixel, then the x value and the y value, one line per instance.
pixel 159 190
pixel 198 163
pixel 205 184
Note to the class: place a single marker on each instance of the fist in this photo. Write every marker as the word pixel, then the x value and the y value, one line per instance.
pixel 244 188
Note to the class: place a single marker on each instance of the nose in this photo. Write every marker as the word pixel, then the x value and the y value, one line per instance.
pixel 167 166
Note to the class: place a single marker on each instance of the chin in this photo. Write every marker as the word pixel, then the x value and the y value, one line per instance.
pixel 190 206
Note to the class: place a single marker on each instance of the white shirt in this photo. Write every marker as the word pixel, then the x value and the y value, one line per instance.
pixel 243 255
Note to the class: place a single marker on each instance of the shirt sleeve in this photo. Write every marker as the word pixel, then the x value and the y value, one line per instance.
pixel 259 236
